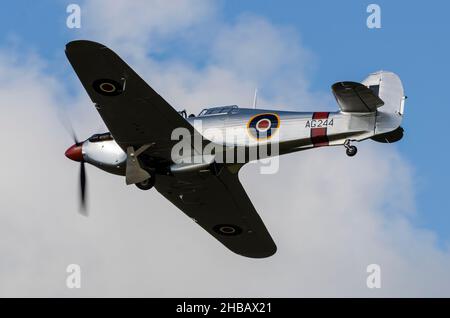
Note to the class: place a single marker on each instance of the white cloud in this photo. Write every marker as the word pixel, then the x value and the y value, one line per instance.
pixel 236 58
pixel 330 216
pixel 138 24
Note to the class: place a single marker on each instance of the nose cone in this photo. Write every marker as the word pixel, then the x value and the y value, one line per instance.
pixel 75 153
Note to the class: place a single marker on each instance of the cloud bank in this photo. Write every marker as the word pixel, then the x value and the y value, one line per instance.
pixel 330 216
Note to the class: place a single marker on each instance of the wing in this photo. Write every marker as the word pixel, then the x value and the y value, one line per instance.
pixel 133 112
pixel 355 97
pixel 219 204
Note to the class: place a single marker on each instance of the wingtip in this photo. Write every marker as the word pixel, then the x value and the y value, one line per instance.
pixel 83 43
pixel 260 254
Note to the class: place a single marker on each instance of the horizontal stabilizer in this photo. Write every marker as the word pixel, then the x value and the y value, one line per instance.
pixel 390 137
pixel 356 98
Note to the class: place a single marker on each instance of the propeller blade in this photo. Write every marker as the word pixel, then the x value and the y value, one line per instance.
pixel 74 155
pixel 83 209
pixel 67 124
pixel 72 133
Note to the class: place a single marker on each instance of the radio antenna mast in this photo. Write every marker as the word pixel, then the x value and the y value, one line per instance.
pixel 255 98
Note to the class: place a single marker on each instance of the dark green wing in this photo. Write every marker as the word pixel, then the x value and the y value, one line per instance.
pixel 133 112
pixel 219 204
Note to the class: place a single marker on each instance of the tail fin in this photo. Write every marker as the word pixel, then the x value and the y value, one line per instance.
pixel 389 88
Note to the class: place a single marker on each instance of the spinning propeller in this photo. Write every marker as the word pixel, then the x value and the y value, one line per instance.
pixel 75 153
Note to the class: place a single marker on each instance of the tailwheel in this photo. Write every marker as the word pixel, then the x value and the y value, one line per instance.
pixel 147 184
pixel 350 150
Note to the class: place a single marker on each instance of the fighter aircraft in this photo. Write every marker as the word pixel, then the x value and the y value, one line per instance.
pixel 140 143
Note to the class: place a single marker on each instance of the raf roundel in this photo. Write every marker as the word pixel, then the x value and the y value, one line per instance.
pixel 107 87
pixel 227 229
pixel 263 126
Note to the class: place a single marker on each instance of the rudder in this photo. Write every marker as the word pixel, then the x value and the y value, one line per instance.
pixel 389 88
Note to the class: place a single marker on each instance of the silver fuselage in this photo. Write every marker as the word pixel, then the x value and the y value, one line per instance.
pixel 296 131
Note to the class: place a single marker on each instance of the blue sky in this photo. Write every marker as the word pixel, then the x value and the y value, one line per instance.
pixel 328 226
pixel 412 42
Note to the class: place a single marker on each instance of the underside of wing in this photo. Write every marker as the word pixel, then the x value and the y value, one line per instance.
pixel 356 98
pixel 133 112
pixel 219 204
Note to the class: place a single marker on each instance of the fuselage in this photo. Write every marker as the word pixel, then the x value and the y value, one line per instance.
pixel 294 131
pixel 244 128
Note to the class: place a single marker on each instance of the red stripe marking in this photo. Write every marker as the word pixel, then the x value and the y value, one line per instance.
pixel 320 115
pixel 319 136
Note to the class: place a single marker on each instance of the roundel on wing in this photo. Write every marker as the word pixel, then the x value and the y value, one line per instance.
pixel 227 229
pixel 263 126
pixel 107 87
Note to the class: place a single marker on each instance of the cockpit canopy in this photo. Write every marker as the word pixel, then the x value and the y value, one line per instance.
pixel 101 137
pixel 220 110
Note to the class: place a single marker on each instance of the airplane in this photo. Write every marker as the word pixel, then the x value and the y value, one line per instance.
pixel 139 144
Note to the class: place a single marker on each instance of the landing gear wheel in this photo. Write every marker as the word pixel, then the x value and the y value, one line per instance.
pixel 351 151
pixel 147 184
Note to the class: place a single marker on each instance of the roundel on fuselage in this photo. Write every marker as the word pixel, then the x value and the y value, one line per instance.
pixel 263 126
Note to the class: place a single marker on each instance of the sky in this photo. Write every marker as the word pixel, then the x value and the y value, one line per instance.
pixel 386 206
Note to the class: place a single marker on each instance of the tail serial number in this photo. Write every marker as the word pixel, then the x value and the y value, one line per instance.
pixel 319 123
